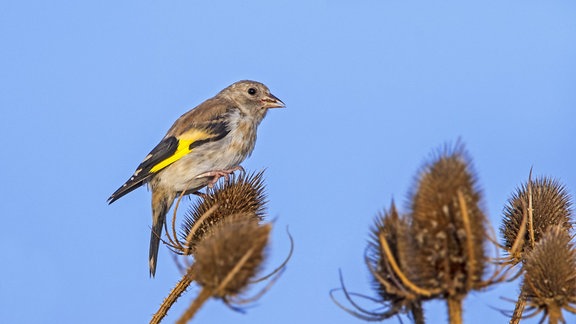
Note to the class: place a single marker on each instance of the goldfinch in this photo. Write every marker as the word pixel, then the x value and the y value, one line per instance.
pixel 206 143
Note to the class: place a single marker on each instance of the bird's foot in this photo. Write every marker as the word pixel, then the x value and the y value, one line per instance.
pixel 217 174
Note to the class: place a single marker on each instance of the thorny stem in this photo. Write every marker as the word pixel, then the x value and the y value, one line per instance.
pixel 417 312
pixel 203 296
pixel 176 292
pixel 519 308
pixel 554 314
pixel 455 310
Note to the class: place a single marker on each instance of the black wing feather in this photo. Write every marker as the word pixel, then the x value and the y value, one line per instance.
pixel 162 151
pixel 218 127
pixel 165 149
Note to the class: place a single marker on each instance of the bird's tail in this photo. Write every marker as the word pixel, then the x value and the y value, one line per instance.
pixel 161 203
pixel 126 188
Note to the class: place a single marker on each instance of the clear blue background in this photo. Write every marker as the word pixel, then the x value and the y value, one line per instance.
pixel 87 88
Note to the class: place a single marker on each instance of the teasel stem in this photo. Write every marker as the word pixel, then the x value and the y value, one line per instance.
pixel 520 306
pixel 455 309
pixel 417 312
pixel 202 297
pixel 176 292
pixel 555 314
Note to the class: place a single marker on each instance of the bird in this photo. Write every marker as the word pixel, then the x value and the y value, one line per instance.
pixel 204 144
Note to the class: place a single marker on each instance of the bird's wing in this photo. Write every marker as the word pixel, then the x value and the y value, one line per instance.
pixel 193 132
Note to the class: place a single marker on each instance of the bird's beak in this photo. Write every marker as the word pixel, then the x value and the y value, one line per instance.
pixel 272 102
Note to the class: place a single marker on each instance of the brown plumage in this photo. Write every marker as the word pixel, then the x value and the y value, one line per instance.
pixel 206 143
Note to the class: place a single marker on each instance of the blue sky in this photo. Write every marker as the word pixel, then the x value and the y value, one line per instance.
pixel 87 88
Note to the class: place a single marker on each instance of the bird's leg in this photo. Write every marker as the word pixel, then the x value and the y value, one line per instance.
pixel 217 174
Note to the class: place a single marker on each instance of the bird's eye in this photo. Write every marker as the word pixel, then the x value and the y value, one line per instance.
pixel 251 91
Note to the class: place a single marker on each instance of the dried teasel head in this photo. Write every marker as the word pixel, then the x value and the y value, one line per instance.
pixel 551 205
pixel 231 257
pixel 386 259
pixel 385 256
pixel 448 226
pixel 241 196
pixel 391 228
pixel 550 277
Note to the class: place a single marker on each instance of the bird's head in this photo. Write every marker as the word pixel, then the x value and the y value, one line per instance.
pixel 252 98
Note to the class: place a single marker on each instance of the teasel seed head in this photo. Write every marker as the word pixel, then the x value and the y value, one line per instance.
pixel 389 226
pixel 550 274
pixel 448 226
pixel 227 260
pixel 551 205
pixel 243 195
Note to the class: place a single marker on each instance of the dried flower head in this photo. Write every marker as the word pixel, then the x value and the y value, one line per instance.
pixel 448 226
pixel 551 205
pixel 391 228
pixel 385 255
pixel 241 196
pixel 228 259
pixel 386 259
pixel 550 277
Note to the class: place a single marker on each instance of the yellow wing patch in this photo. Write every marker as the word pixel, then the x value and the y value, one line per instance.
pixel 184 143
